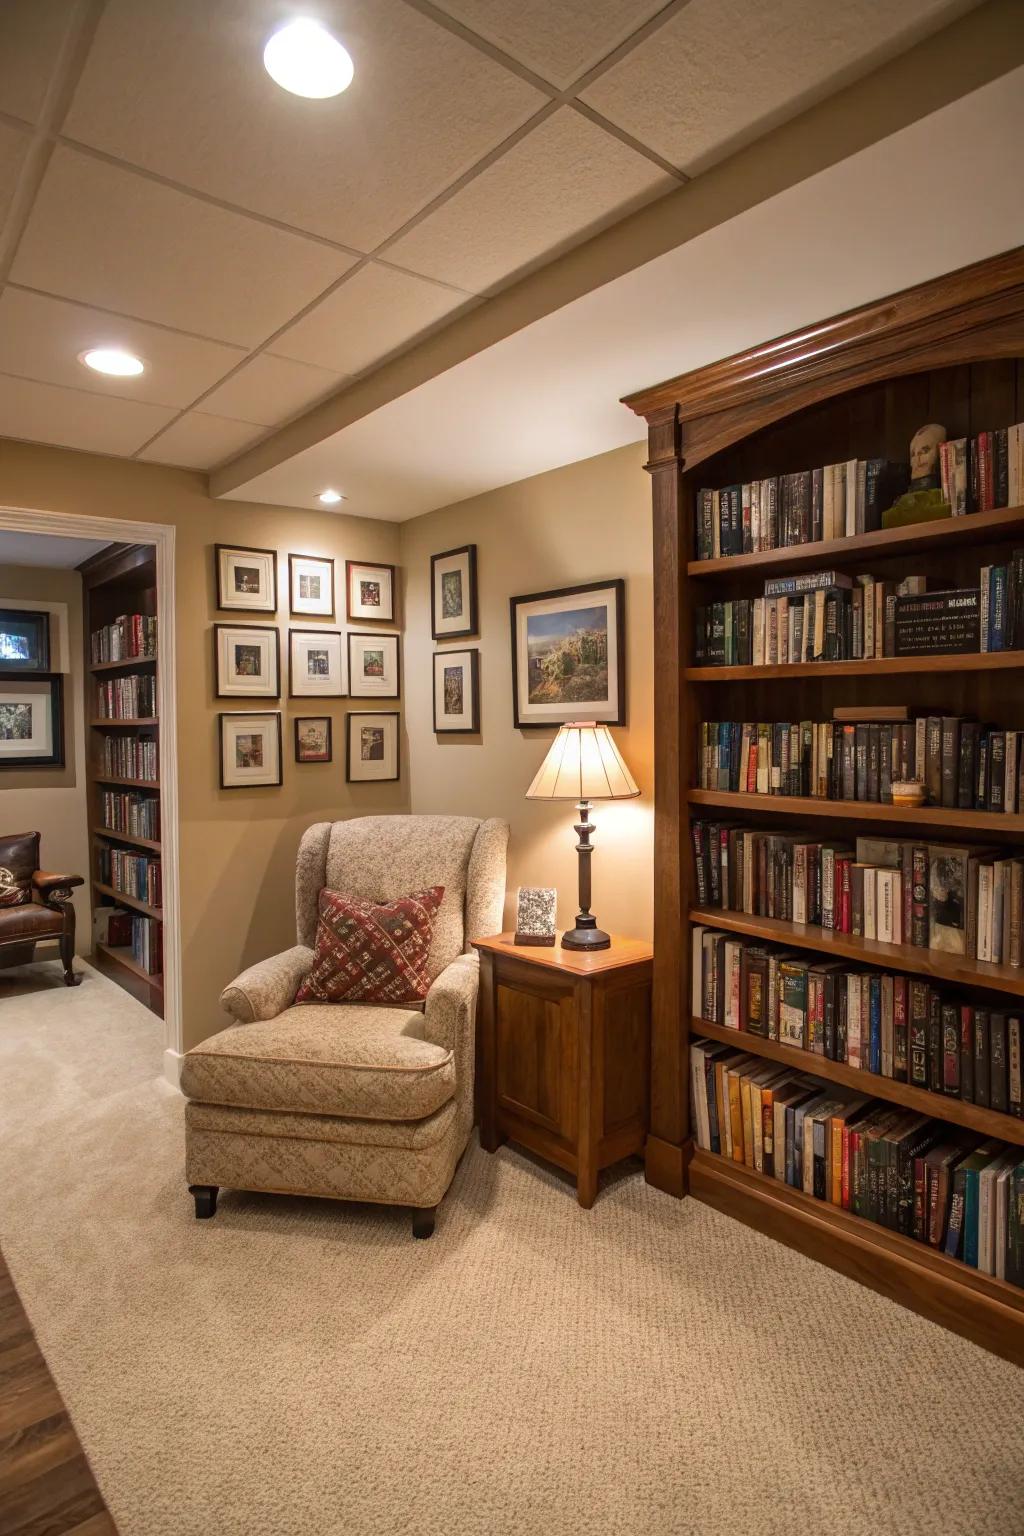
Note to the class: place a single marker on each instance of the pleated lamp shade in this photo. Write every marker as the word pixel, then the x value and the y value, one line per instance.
pixel 583 763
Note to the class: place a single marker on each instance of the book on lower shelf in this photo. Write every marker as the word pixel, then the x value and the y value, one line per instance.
pixel 936 1183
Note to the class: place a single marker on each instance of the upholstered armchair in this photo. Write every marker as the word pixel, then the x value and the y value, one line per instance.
pixel 352 1102
pixel 34 906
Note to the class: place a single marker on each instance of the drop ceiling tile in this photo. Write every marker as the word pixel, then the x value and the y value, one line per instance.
pixel 13 144
pixel 31 33
pixel 73 418
pixel 198 441
pixel 722 72
pixel 105 236
pixel 559 42
pixel 565 180
pixel 42 338
pixel 371 314
pixel 270 389
pixel 179 87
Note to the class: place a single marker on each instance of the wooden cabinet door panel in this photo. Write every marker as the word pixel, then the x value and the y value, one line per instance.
pixel 537 1058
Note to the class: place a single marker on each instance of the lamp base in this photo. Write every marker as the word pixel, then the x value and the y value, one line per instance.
pixel 582 937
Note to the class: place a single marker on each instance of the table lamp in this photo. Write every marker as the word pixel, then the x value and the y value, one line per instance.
pixel 583 764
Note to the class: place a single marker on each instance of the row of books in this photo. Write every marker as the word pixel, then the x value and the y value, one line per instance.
pixel 130 757
pixel 896 1026
pixel 133 874
pixel 962 764
pixel 130 635
pixel 142 935
pixel 957 900
pixel 124 811
pixel 839 500
pixel 936 1183
pixel 126 698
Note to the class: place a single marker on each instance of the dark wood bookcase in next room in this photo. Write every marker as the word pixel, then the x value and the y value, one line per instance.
pixel 857 386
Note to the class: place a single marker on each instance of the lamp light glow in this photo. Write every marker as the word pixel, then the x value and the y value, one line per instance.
pixel 113 361
pixel 330 498
pixel 303 57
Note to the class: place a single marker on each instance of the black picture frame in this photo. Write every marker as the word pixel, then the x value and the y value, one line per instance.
pixel 383 714
pixel 474 691
pixel 262 629
pixel 473 626
pixel 305 613
pixel 240 549
pixel 55 757
pixel 369 618
pixel 302 720
pixel 617 587
pixel 267 714
pixel 35 624
pixel 359 636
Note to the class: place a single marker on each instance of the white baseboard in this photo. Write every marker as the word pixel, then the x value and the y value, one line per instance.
pixel 172 1067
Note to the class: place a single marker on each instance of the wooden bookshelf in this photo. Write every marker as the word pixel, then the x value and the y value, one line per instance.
pixel 857 386
pixel 121 580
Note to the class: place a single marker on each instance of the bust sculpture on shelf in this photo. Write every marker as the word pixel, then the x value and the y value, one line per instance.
pixel 923 501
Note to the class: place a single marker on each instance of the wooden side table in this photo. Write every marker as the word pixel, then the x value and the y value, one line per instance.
pixel 564 1053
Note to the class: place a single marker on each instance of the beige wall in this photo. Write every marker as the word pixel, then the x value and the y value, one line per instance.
pixel 237 847
pixel 585 522
pixel 52 800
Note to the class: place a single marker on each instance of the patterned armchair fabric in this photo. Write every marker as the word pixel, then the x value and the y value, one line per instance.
pixel 361 1103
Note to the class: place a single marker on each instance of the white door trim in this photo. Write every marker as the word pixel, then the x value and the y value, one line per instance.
pixel 126 531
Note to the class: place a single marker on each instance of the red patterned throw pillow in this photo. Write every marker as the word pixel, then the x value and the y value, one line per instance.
pixel 367 953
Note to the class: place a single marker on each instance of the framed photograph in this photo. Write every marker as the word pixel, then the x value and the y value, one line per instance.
pixel 246 579
pixel 370 591
pixel 313 739
pixel 373 666
pixel 316 664
pixel 32 721
pixel 569 655
pixel 311 586
pixel 247 661
pixel 24 640
pixel 456 691
pixel 453 593
pixel 371 748
pixel 250 750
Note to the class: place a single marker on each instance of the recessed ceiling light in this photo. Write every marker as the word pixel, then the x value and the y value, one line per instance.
pixel 330 498
pixel 305 59
pixel 123 365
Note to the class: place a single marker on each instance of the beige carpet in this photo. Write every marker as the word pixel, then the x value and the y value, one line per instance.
pixel 296 1367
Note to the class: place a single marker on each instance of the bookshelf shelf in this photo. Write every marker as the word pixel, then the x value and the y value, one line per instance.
pixel 919 538
pixel 990 823
pixel 122 955
pixel 128 901
pixel 127 837
pixel 857 386
pixel 884 666
pixel 987 1310
pixel 103 724
pixel 988 1121
pixel 846 946
pixel 99 778
pixel 127 663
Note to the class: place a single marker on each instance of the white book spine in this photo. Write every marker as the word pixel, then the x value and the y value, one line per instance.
pixel 884 906
pixel 851 498
pixel 870 904
pixel 800 883
pixel 853 991
pixel 985 911
pixel 758 631
pixel 983 602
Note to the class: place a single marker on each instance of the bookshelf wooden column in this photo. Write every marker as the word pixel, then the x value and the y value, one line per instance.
pixel 853 387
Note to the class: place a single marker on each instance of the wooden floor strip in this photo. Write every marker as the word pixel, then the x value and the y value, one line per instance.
pixel 46 1486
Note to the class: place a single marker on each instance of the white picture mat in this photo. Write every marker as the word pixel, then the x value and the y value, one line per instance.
pixel 458 622
pixel 38 696
pixel 464 661
pixel 357 608
pixel 335 684
pixel 265 599
pixel 267 684
pixel 366 771
pixel 265 724
pixel 605 709
pixel 384 687
pixel 320 567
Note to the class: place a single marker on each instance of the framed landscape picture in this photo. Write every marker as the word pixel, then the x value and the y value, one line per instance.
pixel 371 747
pixel 453 607
pixel 32 721
pixel 24 640
pixel 311 586
pixel 250 750
pixel 313 739
pixel 247 660
pixel 456 691
pixel 373 666
pixel 370 591
pixel 569 655
pixel 246 578
pixel 316 664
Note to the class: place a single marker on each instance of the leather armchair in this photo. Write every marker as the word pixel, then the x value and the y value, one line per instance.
pixel 35 905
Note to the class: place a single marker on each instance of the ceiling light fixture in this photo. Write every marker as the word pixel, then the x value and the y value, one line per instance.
pixel 112 360
pixel 305 59
pixel 330 498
